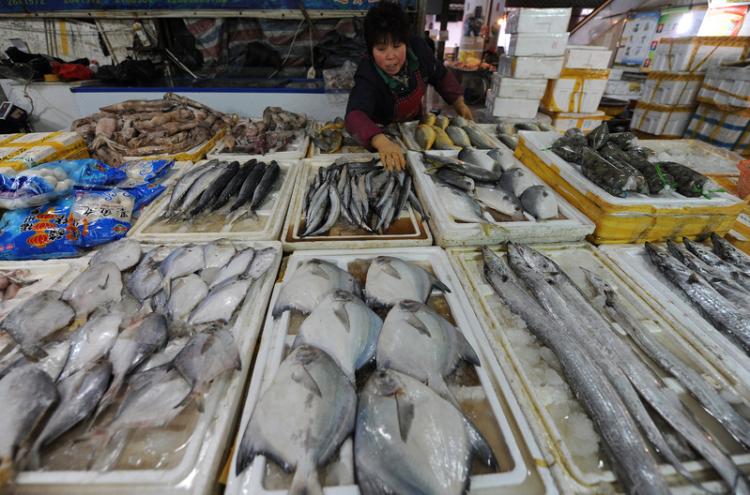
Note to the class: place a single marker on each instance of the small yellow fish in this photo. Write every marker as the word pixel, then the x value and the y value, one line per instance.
pixel 443 141
pixel 442 121
pixel 428 119
pixel 425 136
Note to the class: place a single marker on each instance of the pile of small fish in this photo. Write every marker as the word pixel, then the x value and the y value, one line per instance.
pixel 274 133
pixel 507 132
pixel 170 125
pixel 612 383
pixel 225 187
pixel 138 335
pixel 716 282
pixel 409 434
pixel 617 164
pixel 437 132
pixel 478 181
pixel 364 193
pixel 11 281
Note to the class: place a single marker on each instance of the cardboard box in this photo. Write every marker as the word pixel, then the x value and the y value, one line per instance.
pixel 537 45
pixel 661 120
pixel 527 89
pixel 699 53
pixel 513 108
pixel 587 57
pixel 530 67
pixel 666 88
pixel 538 20
pixel 577 91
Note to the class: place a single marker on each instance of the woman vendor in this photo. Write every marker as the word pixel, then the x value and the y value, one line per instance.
pixel 391 81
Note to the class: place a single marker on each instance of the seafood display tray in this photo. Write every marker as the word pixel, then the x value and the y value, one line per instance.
pixel 266 225
pixel 636 218
pixel 408 230
pixel 576 473
pixel 574 226
pixel 199 467
pixel 407 135
pixel 632 261
pixel 298 150
pixel 525 471
pixel 345 150
pixel 707 159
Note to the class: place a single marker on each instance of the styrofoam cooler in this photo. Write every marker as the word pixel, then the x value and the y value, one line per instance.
pixel 727 86
pixel 667 88
pixel 529 20
pixel 721 126
pixel 537 44
pixel 514 108
pixel 661 120
pixel 562 121
pixel 530 67
pixel 527 89
pixel 587 57
pixel 577 90
pixel 698 53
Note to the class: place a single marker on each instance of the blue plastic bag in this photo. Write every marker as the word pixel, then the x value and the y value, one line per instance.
pixel 140 172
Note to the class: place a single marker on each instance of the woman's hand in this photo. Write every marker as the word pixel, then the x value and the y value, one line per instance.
pixel 461 109
pixel 391 153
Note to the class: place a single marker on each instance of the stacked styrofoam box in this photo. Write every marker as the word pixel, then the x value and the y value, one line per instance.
pixel 624 83
pixel 726 86
pixel 668 88
pixel 535 54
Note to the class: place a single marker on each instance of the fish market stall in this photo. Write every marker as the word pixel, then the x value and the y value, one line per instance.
pixel 246 198
pixel 157 427
pixel 351 202
pixel 293 381
pixel 486 206
pixel 596 315
pixel 628 205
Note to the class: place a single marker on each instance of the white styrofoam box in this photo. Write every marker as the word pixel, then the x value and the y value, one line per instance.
pixel 571 225
pixel 563 121
pixel 530 67
pixel 537 45
pixel 489 395
pixel 721 127
pixel 529 20
pixel 698 53
pixel 196 463
pixel 516 349
pixel 727 86
pixel 631 90
pixel 668 88
pixel 295 150
pixel 509 87
pixel 586 57
pixel 661 120
pixel 698 155
pixel 515 108
pixel 577 90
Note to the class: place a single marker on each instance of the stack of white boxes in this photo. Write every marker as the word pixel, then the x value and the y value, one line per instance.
pixel 573 99
pixel 671 89
pixel 535 54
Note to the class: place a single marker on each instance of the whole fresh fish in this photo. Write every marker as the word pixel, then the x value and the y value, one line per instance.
pixel 516 181
pixel 146 279
pixel 508 140
pixel 442 121
pixel 91 342
pixel 301 419
pixel 205 357
pixel 599 136
pixel 539 202
pixel 455 179
pixel 37 318
pixel 729 319
pixel 212 191
pixel 458 136
pixel 248 187
pixel 182 261
pixel 79 395
pixel 235 267
pixel 265 185
pixel 124 253
pixel 345 328
pixel 315 212
pixel 166 355
pixel 408 439
pixel 390 280
pixel 459 121
pixel 221 302
pixel 428 119
pixel 261 263
pixel 52 364
pixel 478 138
pixel 94 287
pixel 425 136
pixel 185 295
pixel 133 346
pixel 216 254
pixel 608 301
pixel 729 253
pixel 419 342
pixel 742 278
pixel 481 159
pixel 631 457
pixel 182 186
pixel 442 140
pixel 500 201
pixel 476 172
pixel 503 158
pixel 333 212
pixel 27 393
pixel 310 283
pixel 234 185
pixel 461 206
pixel 201 184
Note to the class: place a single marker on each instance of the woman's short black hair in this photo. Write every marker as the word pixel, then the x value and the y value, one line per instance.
pixel 384 22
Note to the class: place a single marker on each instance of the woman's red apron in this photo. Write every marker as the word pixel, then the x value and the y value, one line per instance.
pixel 409 107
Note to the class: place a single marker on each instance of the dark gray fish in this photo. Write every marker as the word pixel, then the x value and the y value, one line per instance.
pixel 213 191
pixel 201 184
pixel 249 186
pixel 266 184
pixel 455 179
pixel 234 185
pixel 539 202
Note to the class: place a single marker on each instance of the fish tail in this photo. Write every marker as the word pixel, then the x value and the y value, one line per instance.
pixel 107 399
pixel 437 383
pixel 305 480
pixel 7 472
pixel 195 396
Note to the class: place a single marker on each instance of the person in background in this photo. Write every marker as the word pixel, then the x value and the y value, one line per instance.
pixel 391 81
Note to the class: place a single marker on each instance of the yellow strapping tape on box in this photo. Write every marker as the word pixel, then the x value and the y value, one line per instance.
pixel 674 76
pixel 580 76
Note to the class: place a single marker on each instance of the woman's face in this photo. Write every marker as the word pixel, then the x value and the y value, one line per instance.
pixel 390 56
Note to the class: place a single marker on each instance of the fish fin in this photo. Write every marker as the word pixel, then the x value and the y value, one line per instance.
pixel 305 480
pixel 465 350
pixel 405 412
pixel 439 285
pixel 306 380
pixel 418 325
pixel 195 396
pixel 106 282
pixel 388 268
pixel 319 272
pixel 479 445
pixel 107 398
pixel 343 316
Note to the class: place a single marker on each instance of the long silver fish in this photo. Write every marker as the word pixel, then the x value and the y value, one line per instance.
pixel 310 283
pixel 631 457
pixel 182 186
pixel 333 213
pixel 390 280
pixel 124 253
pixel 408 439
pixel 26 394
pixel 732 271
pixel 301 419
pixel 419 342
pixel 344 327
pixel 478 138
pixel 198 187
pixel 729 253
pixel 92 341
pixel 94 287
pixel 34 320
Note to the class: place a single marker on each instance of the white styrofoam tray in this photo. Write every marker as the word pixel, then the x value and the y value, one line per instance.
pixel 576 474
pixel 540 143
pixel 522 471
pixel 704 157
pixel 265 225
pixel 196 472
pixel 295 150
pixel 408 230
pixel 408 128
pixel 572 225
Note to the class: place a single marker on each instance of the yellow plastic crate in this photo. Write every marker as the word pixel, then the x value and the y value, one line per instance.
pixel 635 219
